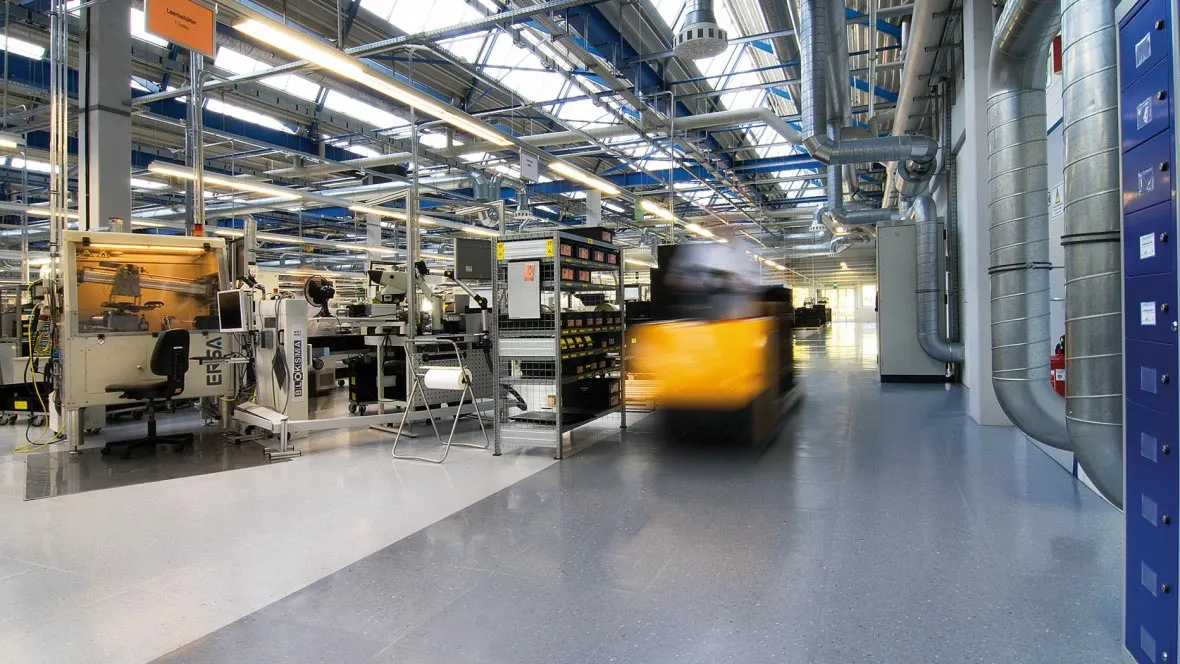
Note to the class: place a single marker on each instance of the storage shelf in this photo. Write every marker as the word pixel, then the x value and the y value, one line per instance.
pixel 590 330
pixel 580 287
pixel 588 352
pixel 601 373
pixel 538 426
pixel 595 266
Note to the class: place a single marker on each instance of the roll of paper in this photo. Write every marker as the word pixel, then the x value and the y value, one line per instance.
pixel 446 378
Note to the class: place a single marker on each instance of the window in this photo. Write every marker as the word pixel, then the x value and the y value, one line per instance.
pixel 237 63
pixel 413 16
pixel 139 29
pixel 355 108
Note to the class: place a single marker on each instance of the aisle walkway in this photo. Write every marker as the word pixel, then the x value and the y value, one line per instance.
pixel 884 526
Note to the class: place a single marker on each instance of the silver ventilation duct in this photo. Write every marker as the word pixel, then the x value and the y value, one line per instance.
pixel 915 154
pixel 1093 272
pixel 925 217
pixel 700 37
pixel 852 217
pixel 1020 263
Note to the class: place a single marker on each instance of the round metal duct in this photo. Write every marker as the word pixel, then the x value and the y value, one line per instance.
pixel 700 37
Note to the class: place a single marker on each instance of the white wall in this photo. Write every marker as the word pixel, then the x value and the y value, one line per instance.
pixel 969 117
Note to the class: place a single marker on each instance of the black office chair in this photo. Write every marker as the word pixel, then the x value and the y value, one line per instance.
pixel 170 360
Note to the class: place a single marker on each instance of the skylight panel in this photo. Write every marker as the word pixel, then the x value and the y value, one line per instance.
pixel 413 16
pixel 237 63
pixel 510 59
pixel 246 115
pixel 584 112
pixel 355 108
pixel 467 47
pixel 139 29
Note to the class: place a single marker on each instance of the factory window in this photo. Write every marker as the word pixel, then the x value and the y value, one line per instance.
pixel 237 63
pixel 413 16
pixel 139 29
pixel 354 108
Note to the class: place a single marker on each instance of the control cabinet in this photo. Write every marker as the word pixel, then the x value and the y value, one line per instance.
pixel 1147 79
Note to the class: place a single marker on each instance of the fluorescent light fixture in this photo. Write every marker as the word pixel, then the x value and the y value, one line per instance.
pixel 636 261
pixel 283 38
pixel 43 211
pixel 435 257
pixel 562 168
pixel 843 266
pixel 382 212
pixel 697 229
pixel 349 246
pixel 148 247
pixel 614 208
pixel 10 141
pixel 659 211
pixel 476 230
pixel 220 181
pixel 299 46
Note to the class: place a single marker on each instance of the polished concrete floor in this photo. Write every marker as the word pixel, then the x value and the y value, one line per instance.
pixel 883 526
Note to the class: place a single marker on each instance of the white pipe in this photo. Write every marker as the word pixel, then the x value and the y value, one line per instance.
pixel 925 29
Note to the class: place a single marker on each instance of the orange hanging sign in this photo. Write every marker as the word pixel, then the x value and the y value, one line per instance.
pixel 182 22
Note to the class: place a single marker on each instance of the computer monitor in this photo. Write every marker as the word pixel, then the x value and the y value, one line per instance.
pixel 235 309
pixel 473 259
pixel 631 293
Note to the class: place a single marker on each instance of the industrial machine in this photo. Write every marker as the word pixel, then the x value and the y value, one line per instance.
pixel 291 344
pixel 1148 78
pixel 901 356
pixel 118 291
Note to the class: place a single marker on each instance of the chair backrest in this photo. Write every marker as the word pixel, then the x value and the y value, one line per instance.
pixel 170 356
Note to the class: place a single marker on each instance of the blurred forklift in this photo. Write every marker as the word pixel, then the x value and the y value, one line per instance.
pixel 719 352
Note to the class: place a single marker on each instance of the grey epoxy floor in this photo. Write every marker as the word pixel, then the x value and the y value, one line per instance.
pixel 883 526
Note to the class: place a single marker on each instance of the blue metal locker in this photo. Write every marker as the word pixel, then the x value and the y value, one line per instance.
pixel 1147 80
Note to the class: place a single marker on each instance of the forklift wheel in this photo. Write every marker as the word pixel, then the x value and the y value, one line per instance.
pixel 352 408
pixel 363 409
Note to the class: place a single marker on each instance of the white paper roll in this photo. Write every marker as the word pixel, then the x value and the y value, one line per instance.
pixel 446 378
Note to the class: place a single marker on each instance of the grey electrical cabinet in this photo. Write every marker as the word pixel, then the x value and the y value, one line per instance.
pixel 901 358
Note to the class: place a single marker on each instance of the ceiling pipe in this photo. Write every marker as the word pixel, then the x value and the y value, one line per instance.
pixel 1020 262
pixel 925 28
pixel 1092 241
pixel 924 216
pixel 916 154
pixel 837 206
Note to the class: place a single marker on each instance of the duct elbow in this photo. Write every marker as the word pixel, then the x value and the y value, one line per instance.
pixel 820 147
pixel 940 349
pixel 1035 409
pixel 1099 449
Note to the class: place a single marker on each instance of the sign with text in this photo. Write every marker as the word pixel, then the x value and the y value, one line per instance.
pixel 530 167
pixel 182 22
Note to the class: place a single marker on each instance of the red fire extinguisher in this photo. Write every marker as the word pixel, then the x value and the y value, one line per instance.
pixel 1057 367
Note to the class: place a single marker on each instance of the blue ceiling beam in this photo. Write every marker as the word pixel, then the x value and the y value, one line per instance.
pixel 863 86
pixel 882 26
